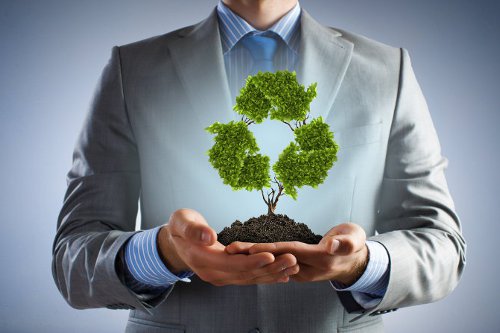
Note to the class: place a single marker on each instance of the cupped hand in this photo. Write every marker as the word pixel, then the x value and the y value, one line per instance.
pixel 187 242
pixel 341 255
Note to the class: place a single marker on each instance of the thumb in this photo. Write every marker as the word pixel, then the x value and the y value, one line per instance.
pixel 332 244
pixel 192 226
pixel 344 239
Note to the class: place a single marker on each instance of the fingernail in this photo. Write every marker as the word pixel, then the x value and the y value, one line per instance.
pixel 228 249
pixel 335 245
pixel 284 279
pixel 205 237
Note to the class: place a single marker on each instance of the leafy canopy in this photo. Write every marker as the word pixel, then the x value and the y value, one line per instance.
pixel 276 94
pixel 234 155
pixel 307 161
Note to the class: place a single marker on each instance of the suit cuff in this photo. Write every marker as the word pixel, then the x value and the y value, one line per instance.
pixel 370 288
pixel 145 266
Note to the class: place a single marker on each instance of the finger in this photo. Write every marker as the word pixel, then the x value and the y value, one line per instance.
pixel 302 251
pixel 281 264
pixel 308 274
pixel 215 258
pixel 277 248
pixel 279 277
pixel 344 229
pixel 192 226
pixel 282 276
pixel 344 239
pixel 330 244
pixel 239 247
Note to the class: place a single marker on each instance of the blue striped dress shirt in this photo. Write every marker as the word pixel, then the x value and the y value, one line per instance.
pixel 145 270
pixel 238 60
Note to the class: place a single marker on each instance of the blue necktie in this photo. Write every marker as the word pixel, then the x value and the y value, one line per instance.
pixel 262 50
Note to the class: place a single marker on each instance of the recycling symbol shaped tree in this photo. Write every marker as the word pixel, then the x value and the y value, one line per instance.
pixel 305 161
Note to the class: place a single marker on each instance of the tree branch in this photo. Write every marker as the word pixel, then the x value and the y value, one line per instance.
pixel 263 198
pixel 246 120
pixel 284 122
pixel 280 192
pixel 307 117
pixel 299 124
pixel 270 196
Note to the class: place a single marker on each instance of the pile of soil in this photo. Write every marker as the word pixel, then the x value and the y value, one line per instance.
pixel 268 229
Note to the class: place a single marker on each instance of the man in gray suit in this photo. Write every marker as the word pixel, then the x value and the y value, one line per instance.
pixel 144 138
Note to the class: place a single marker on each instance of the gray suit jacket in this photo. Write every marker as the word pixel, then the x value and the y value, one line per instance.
pixel 144 138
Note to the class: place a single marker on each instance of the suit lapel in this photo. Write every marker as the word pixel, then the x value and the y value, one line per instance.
pixel 324 58
pixel 198 59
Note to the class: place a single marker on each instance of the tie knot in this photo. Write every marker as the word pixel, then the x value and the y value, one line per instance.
pixel 262 49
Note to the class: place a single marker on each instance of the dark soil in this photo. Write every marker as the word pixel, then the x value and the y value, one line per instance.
pixel 268 229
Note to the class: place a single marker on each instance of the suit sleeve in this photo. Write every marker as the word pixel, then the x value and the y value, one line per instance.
pixel 100 205
pixel 417 222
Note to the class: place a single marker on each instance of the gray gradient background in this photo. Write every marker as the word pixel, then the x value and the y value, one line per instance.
pixel 52 53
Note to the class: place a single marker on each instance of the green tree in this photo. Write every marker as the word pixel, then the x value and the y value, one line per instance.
pixel 306 161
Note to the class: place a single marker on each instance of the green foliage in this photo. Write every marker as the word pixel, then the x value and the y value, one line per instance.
pixel 307 161
pixel 254 174
pixel 234 156
pixel 278 94
pixel 303 162
pixel 315 136
pixel 252 102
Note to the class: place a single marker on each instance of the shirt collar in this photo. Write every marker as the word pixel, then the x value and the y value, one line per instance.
pixel 233 27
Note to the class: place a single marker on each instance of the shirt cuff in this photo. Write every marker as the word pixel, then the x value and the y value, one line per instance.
pixel 144 263
pixel 374 280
